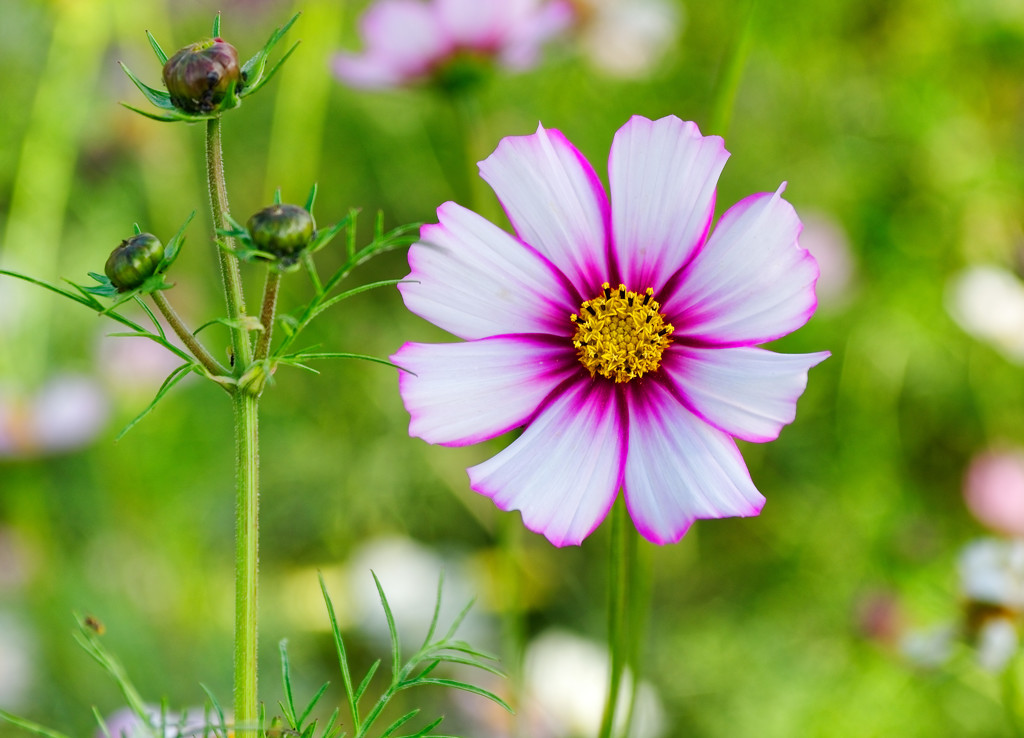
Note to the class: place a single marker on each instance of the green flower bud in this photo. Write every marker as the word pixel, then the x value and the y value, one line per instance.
pixel 136 259
pixel 282 230
pixel 199 76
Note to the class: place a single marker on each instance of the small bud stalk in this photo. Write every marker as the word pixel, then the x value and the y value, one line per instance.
pixel 267 313
pixel 191 342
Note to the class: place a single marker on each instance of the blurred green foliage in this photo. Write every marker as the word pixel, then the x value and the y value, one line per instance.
pixel 901 121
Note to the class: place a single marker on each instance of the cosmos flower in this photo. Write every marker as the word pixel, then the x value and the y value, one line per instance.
pixel 987 301
pixel 409 41
pixel 616 331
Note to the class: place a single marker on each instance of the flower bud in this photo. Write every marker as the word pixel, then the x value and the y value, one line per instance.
pixel 282 230
pixel 198 77
pixel 136 259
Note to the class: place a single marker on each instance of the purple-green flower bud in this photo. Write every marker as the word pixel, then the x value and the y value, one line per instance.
pixel 282 230
pixel 136 259
pixel 199 76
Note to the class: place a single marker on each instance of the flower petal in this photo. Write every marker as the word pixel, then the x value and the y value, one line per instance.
pixel 663 175
pixel 474 280
pixel 565 470
pixel 749 393
pixel 751 283
pixel 462 393
pixel 555 202
pixel 679 468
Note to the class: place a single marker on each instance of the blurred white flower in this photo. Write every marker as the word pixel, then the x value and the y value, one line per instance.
pixel 997 642
pixel 566 684
pixel 929 649
pixel 994 490
pixel 134 365
pixel 408 572
pixel 627 38
pixel 126 724
pixel 828 243
pixel 992 572
pixel 64 414
pixel 988 303
pixel 16 657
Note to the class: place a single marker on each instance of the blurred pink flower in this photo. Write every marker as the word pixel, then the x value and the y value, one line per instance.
pixel 64 414
pixel 994 490
pixel 825 238
pixel 616 331
pixel 409 41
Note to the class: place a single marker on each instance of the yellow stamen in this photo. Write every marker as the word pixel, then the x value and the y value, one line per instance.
pixel 621 335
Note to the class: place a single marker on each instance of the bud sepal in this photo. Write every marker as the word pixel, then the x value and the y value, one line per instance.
pixel 226 89
pixel 137 266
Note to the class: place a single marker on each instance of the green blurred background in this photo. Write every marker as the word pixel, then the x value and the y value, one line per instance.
pixel 899 126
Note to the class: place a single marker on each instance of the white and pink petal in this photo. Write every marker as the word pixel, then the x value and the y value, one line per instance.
pixel 474 280
pixel 662 175
pixel 564 472
pixel 463 393
pixel 555 202
pixel 751 283
pixel 749 393
pixel 679 468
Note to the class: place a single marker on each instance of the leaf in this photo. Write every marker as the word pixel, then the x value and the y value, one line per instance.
pixel 463 686
pixel 399 722
pixel 342 655
pixel 172 379
pixel 30 726
pixel 437 612
pixel 425 730
pixel 159 98
pixel 311 199
pixel 366 680
pixel 353 292
pixel 312 702
pixel 156 48
pixel 223 725
pixel 288 707
pixel 81 299
pixel 252 70
pixel 244 322
pixel 173 246
pixel 396 648
pixel 341 355
pixel 216 26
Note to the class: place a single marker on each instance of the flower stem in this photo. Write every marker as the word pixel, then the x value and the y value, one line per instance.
pixel 267 313
pixel 622 630
pixel 198 350
pixel 245 405
pixel 230 273
pixel 246 557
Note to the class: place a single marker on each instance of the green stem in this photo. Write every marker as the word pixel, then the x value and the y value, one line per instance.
pixel 246 455
pixel 622 630
pixel 230 273
pixel 732 73
pixel 186 336
pixel 267 313
pixel 246 557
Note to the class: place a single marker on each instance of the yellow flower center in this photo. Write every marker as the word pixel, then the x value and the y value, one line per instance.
pixel 621 335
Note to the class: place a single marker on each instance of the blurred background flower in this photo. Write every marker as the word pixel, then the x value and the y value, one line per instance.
pixel 409 41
